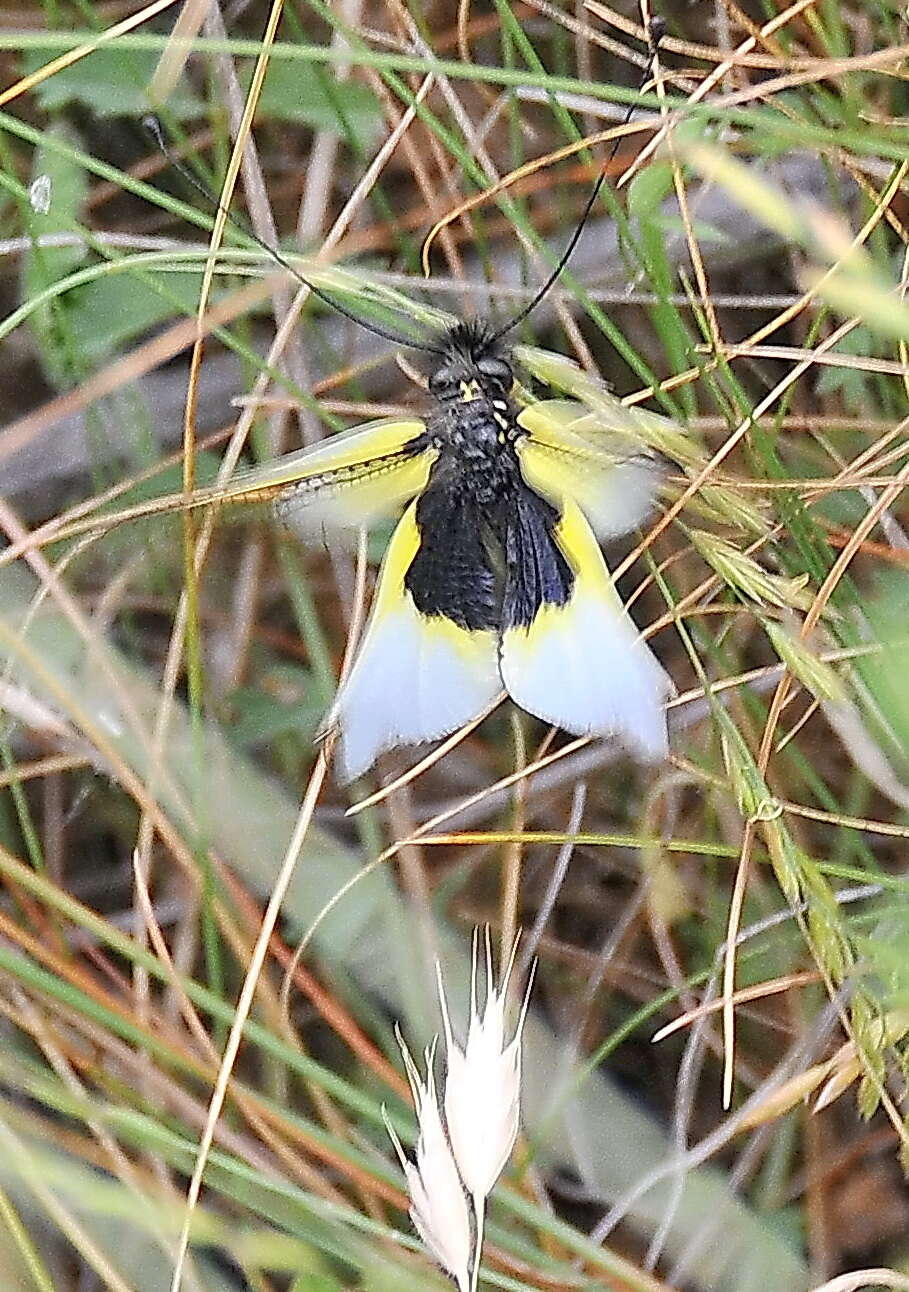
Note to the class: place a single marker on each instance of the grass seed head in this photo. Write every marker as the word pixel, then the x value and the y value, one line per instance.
pixel 438 1208
pixel 483 1083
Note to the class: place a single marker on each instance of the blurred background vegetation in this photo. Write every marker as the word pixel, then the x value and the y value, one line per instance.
pixel 745 273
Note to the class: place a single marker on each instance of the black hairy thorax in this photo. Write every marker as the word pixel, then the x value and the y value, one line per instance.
pixel 488 558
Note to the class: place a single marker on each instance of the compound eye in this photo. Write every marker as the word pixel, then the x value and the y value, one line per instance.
pixel 497 370
pixel 443 382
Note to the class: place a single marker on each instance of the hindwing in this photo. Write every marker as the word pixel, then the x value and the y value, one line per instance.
pixel 536 571
pixel 417 676
pixel 569 652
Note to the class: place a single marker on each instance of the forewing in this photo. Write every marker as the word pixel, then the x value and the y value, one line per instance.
pixel 571 451
pixel 578 660
pixel 639 424
pixel 416 677
pixel 347 481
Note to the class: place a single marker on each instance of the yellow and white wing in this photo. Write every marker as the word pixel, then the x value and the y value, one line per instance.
pixel 640 425
pixel 571 451
pixel 348 481
pixel 573 657
pixel 416 677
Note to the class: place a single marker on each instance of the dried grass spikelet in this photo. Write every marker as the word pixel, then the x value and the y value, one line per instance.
pixel 483 1083
pixel 438 1208
pixel 481 1102
pixel 814 673
pixel 746 577
pixel 727 505
pixel 831 1078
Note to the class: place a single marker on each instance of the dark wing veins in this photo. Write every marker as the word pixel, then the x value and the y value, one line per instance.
pixel 536 572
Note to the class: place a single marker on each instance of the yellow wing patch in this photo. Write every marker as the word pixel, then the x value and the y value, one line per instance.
pixel 572 452
pixel 349 480
pixel 415 678
pixel 583 665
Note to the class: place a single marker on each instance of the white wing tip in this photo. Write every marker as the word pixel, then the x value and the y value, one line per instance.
pixel 639 718
pixel 648 739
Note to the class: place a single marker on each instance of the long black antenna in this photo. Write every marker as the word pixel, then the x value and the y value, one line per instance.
pixel 153 126
pixel 655 31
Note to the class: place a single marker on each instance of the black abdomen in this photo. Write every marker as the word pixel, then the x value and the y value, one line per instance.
pixel 488 557
pixel 451 574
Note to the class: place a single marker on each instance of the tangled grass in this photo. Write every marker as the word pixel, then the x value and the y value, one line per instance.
pixel 745 274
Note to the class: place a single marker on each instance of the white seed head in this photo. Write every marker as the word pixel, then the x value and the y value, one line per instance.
pixel 483 1083
pixel 439 1208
